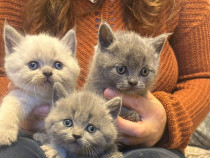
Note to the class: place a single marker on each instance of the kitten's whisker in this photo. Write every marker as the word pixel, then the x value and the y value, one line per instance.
pixel 92 150
pixel 88 151
pixel 36 85
pixel 27 86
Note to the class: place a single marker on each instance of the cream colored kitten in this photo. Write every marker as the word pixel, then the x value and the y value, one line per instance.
pixel 34 64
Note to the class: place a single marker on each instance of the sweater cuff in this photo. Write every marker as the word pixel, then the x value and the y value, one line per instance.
pixel 179 124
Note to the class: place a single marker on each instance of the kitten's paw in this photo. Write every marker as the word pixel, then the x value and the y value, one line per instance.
pixel 131 116
pixel 50 152
pixel 115 155
pixel 8 135
pixel 41 137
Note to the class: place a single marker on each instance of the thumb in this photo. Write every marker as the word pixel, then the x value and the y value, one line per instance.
pixel 131 102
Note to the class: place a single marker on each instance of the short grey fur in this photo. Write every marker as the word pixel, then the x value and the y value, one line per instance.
pixel 126 62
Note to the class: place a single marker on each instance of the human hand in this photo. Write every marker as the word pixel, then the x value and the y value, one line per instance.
pixel 35 120
pixel 11 86
pixel 150 129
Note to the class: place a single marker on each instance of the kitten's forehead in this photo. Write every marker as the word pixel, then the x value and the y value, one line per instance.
pixel 133 50
pixel 131 42
pixel 82 106
pixel 42 47
pixel 131 56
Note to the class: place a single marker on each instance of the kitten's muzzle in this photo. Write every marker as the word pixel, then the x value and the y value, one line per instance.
pixel 133 82
pixel 48 79
pixel 76 136
pixel 47 74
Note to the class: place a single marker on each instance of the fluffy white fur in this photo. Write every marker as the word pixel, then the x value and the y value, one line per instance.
pixel 34 88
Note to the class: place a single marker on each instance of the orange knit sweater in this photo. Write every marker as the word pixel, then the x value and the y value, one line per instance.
pixel 183 84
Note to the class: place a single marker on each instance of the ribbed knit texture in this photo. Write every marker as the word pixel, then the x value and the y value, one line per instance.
pixel 183 84
pixel 87 31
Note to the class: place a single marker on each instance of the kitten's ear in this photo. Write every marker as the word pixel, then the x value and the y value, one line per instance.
pixel 106 35
pixel 58 92
pixel 114 106
pixel 159 42
pixel 69 40
pixel 12 38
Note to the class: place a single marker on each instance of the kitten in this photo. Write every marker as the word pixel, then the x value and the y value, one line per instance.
pixel 125 62
pixel 34 63
pixel 82 125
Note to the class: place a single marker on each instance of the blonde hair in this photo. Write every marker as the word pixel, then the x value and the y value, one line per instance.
pixel 58 16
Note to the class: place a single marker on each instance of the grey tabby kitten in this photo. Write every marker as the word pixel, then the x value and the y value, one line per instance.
pixel 34 63
pixel 125 62
pixel 82 125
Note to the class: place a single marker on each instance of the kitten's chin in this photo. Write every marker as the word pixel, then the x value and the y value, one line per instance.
pixel 48 84
pixel 74 146
pixel 132 91
pixel 43 90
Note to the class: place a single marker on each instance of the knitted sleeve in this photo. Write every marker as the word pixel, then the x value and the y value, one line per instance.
pixel 190 102
pixel 12 12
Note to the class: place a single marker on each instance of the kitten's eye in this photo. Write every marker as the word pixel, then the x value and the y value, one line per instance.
pixel 58 65
pixel 33 65
pixel 91 128
pixel 121 69
pixel 67 123
pixel 144 72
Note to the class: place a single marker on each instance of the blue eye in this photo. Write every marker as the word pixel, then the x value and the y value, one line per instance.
pixel 144 72
pixel 91 128
pixel 58 65
pixel 33 65
pixel 121 69
pixel 67 123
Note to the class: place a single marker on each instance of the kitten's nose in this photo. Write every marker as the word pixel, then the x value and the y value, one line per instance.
pixel 47 74
pixel 133 82
pixel 76 136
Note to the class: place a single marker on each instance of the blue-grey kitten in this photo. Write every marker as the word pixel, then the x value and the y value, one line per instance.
pixel 82 125
pixel 125 62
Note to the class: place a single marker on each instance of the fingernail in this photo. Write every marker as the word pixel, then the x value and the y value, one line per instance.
pixel 109 93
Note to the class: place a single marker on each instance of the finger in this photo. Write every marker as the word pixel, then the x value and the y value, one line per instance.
pixel 41 111
pixel 133 141
pixel 11 86
pixel 134 129
pixel 128 140
pixel 31 126
pixel 38 125
pixel 109 93
pixel 131 102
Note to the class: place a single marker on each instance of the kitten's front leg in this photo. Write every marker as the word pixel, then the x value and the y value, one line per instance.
pixel 50 152
pixel 9 120
pixel 41 137
pixel 114 155
pixel 112 152
pixel 11 113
